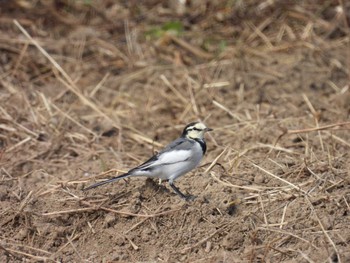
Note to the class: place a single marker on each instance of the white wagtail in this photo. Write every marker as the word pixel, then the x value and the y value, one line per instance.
pixel 176 159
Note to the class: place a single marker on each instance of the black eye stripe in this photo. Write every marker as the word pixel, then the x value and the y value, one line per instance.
pixel 194 128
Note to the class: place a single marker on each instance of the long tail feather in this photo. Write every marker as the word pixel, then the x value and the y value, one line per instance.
pixel 107 181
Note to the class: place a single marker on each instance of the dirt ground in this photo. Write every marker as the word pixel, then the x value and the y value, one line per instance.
pixel 90 89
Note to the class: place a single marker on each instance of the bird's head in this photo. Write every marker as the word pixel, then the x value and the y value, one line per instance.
pixel 195 130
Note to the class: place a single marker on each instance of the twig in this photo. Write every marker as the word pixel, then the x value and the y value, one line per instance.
pixel 19 144
pixel 279 178
pixel 214 161
pixel 191 48
pixel 287 233
pixel 141 215
pixel 323 230
pixel 93 208
pixel 38 258
pixel 250 188
pixel 263 209
pixel 185 250
pixel 173 89
pixel 25 129
pixel 72 87
pixel 9 252
pixel 307 130
pixel 283 215
pixel 316 117
pixel 222 107
pixel 136 225
pixel 74 248
pixel 65 245
pixel 25 202
pixel 222 182
pixel 73 120
pixel 15 243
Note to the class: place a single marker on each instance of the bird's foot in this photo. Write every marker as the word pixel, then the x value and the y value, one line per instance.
pixel 189 197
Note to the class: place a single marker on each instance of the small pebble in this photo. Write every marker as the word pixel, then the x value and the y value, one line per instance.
pixel 110 220
pixel 208 247
pixel 259 179
pixel 22 234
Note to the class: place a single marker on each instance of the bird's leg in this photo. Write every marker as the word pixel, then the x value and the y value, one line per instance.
pixel 178 192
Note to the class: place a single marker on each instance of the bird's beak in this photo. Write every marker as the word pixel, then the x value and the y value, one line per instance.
pixel 208 129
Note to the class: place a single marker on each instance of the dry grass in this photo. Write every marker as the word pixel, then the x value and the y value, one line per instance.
pixel 88 91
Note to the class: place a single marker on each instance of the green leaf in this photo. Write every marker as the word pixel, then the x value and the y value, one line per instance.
pixel 173 27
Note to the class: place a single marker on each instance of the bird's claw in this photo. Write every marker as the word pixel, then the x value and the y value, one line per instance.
pixel 189 197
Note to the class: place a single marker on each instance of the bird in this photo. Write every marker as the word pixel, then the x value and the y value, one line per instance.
pixel 173 161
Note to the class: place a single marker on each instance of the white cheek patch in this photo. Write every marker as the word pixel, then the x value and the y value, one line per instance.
pixel 195 134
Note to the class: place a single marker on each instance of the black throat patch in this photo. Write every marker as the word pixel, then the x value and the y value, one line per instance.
pixel 202 144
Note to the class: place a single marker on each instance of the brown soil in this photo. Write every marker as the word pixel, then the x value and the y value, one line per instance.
pixel 116 84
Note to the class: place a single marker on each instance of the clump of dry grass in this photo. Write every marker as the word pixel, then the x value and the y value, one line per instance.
pixel 87 96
